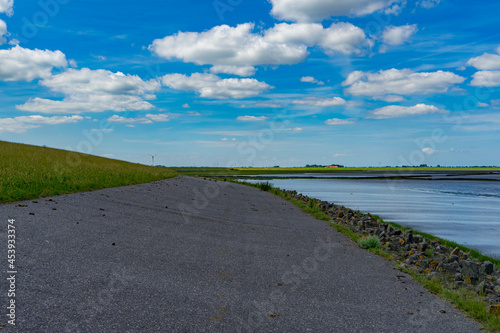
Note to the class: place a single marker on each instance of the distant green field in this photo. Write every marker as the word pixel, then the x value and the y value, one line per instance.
pixel 266 171
pixel 28 172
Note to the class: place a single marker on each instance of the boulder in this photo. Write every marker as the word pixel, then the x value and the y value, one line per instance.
pixel 487 267
pixel 472 270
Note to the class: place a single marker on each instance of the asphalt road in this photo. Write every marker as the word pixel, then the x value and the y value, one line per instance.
pixel 192 255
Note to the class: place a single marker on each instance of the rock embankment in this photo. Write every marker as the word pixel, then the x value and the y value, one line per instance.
pixel 419 254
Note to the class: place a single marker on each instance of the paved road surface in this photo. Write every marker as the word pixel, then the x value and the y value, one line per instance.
pixel 192 255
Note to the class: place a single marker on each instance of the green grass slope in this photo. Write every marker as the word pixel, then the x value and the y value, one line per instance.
pixel 28 172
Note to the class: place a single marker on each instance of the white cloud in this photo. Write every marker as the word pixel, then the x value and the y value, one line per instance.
pixel 396 111
pixel 11 125
pixel 20 64
pixel 389 98
pixel 94 91
pixel 394 82
pixel 237 70
pixel 311 79
pixel 337 121
pixel 162 117
pixel 486 79
pixel 24 123
pixel 89 82
pixel 486 62
pixel 49 120
pixel 212 86
pixel 185 106
pixel 398 35
pixel 343 38
pixel 252 118
pixel 323 102
pixel 6 6
pixel 428 3
pixel 318 10
pixel 429 151
pixel 237 50
pixel 122 120
pixel 148 119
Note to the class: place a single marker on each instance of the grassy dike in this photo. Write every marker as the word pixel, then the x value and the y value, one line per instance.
pixel 472 304
pixel 29 172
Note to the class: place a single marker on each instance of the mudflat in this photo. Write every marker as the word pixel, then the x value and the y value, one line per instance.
pixel 193 255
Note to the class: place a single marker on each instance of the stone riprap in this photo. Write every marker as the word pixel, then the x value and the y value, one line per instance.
pixel 418 253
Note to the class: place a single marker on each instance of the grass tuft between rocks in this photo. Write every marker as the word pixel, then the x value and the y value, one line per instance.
pixel 370 242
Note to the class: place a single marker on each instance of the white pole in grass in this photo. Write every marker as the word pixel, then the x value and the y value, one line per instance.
pixel 152 159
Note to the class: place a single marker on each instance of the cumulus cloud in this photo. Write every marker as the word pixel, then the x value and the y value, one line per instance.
pixel 396 111
pixel 212 86
pixel 311 79
pixel 20 64
pixel 237 70
pixel 237 50
pixel 322 102
pixel 24 123
pixel 486 79
pixel 318 10
pixel 394 82
pixel 6 6
pixel 94 91
pixel 252 118
pixel 337 121
pixel 398 35
pixel 486 62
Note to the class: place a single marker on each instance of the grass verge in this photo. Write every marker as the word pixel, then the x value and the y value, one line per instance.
pixel 472 305
pixel 29 172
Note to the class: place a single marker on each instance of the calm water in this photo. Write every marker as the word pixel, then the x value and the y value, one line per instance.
pixel 467 212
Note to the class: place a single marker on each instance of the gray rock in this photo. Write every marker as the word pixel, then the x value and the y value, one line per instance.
pixel 408 236
pixel 418 239
pixel 456 251
pixel 487 267
pixel 423 247
pixel 452 268
pixel 472 270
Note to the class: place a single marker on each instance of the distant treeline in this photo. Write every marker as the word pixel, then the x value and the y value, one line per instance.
pixel 324 166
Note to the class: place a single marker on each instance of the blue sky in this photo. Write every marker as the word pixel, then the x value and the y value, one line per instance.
pixel 262 83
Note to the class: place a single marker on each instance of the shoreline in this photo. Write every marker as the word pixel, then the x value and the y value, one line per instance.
pixel 465 212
